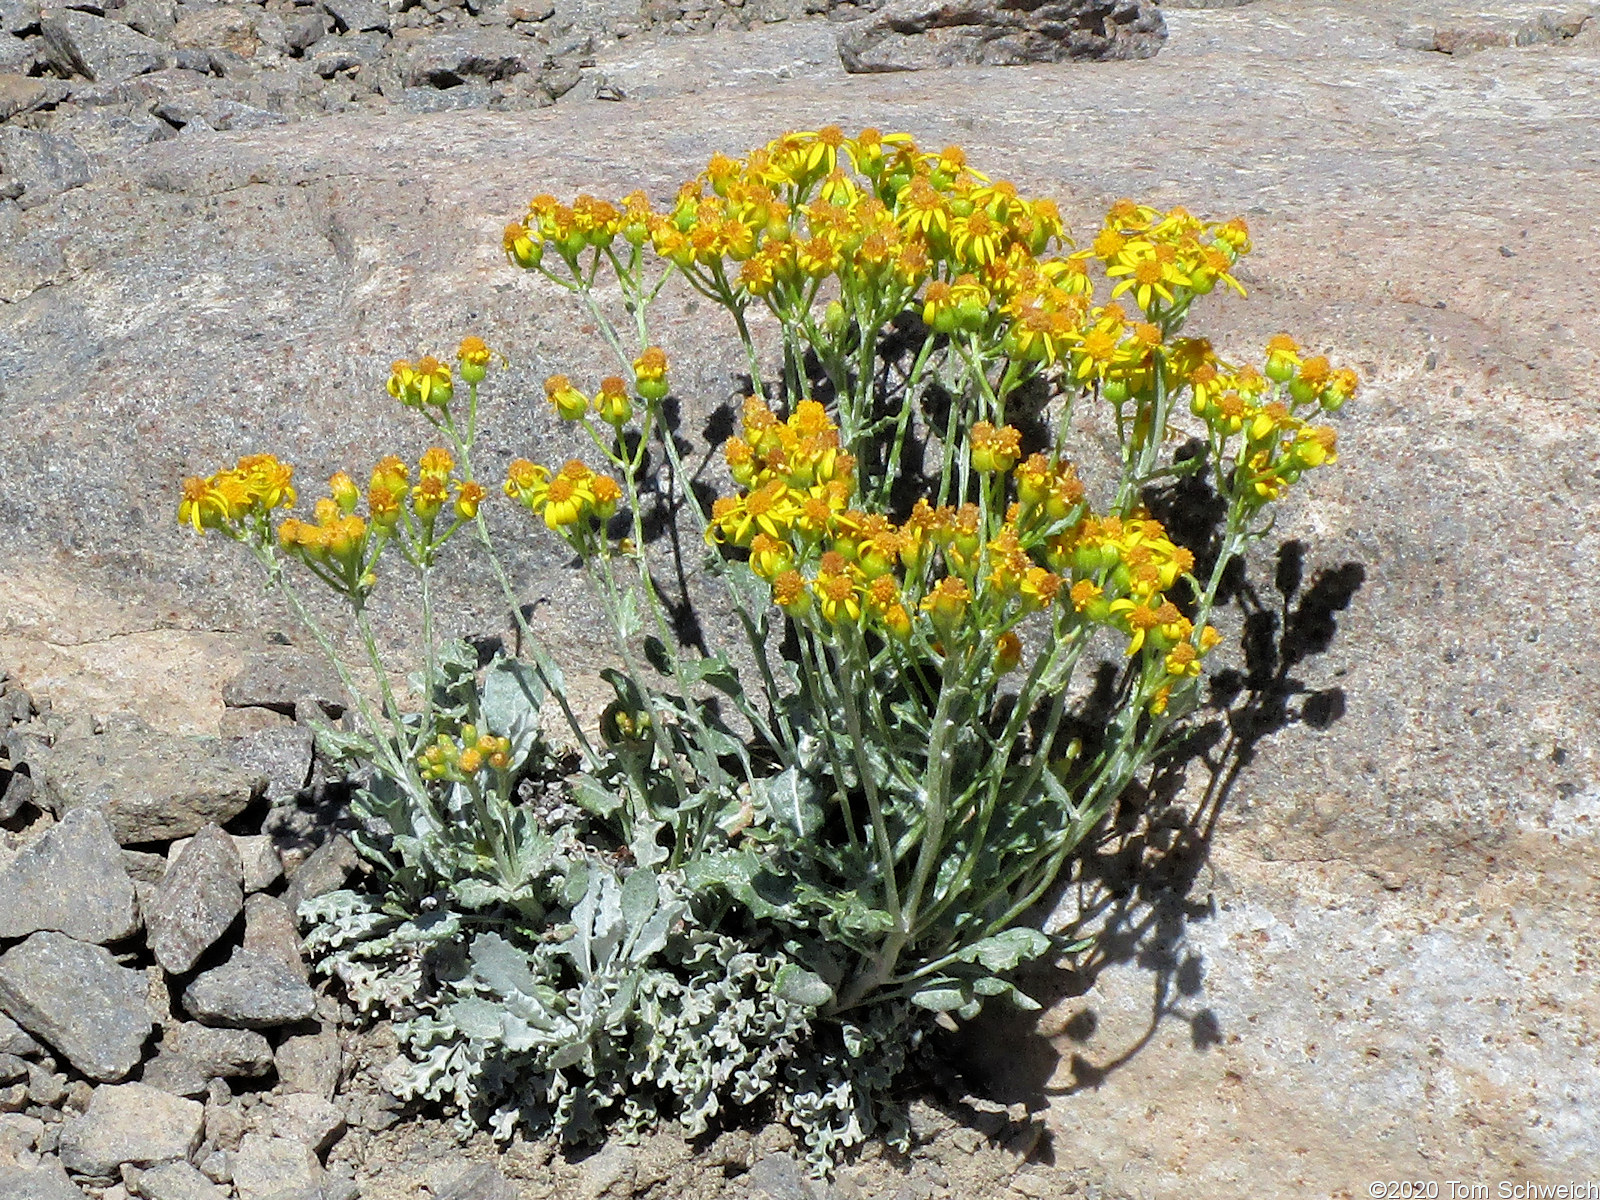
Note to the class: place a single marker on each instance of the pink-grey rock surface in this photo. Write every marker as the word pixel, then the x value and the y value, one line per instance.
pixel 1383 967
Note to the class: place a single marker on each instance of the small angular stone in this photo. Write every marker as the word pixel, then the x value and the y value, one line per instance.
pixel 257 855
pixel 18 16
pixel 325 870
pixel 262 866
pixel 176 1075
pixel 48 1088
pixel 282 755
pixel 75 997
pixel 19 94
pixel 18 1133
pixel 131 1123
pixel 302 1117
pixel 178 1181
pixel 358 16
pixel 143 867
pixel 310 1062
pixel 73 881
pixel 446 60
pixel 280 677
pixel 218 1166
pixel 266 1166
pixel 485 1182
pixel 12 1068
pixel 152 789
pixel 47 1181
pixel 916 35
pixel 16 1040
pixel 222 1053
pixel 44 163
pixel 270 930
pixel 198 898
pixel 250 991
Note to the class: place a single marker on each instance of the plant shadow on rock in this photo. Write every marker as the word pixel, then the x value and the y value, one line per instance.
pixel 1135 885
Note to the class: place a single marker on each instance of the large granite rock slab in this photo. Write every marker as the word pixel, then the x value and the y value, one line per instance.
pixel 150 789
pixel 75 997
pixel 72 880
pixel 918 35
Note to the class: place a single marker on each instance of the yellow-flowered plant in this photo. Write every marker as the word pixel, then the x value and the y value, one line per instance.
pixel 917 553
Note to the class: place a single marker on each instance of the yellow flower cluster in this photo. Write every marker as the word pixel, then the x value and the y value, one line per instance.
pixel 612 403
pixel 569 500
pixel 344 547
pixel 900 226
pixel 1260 406
pixel 253 487
pixel 429 385
pixel 826 559
pixel 460 761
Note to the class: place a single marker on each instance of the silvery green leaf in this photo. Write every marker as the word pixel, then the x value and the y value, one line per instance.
pixel 1005 950
pixel 501 965
pixel 569 1055
pixel 940 996
pixel 647 850
pixel 478 1019
pixel 609 927
pixel 1058 794
pixel 799 986
pixel 792 800
pixel 583 920
pixel 1021 1000
pixel 477 893
pixel 652 936
pixel 628 623
pixel 640 894
pixel 594 796
pixel 509 704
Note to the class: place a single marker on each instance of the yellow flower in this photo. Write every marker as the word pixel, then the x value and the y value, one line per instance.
pixel 522 247
pixel 472 359
pixel 838 590
pixel 526 482
pixel 650 374
pixel 1039 588
pixel 436 463
pixel 1182 661
pixel 469 495
pixel 977 239
pixel 570 404
pixel 994 449
pixel 947 603
pixel 1138 619
pixel 563 503
pixel 789 593
pixel 612 402
pixel 769 557
pixel 605 493
pixel 425 385
pixel 255 485
pixel 1007 653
